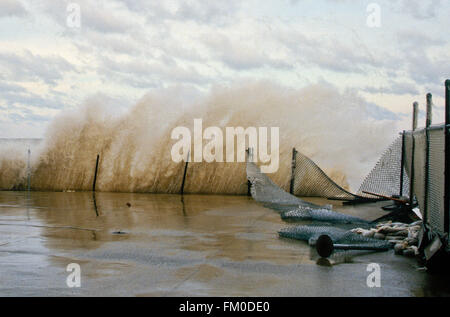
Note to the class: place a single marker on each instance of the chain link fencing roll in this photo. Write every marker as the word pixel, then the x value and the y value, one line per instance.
pixel 311 233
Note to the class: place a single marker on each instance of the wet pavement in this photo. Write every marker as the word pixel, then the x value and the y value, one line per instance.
pixel 163 245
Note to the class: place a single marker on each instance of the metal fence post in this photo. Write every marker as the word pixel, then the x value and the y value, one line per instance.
pixel 249 159
pixel 429 110
pixel 414 126
pixel 294 162
pixel 402 164
pixel 185 172
pixel 95 173
pixel 447 157
pixel 415 115
pixel 427 154
pixel 29 170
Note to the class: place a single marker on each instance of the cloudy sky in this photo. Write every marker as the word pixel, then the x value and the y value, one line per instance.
pixel 391 52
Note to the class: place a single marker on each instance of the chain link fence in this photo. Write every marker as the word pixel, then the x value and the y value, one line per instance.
pixel 388 177
pixel 309 180
pixel 425 161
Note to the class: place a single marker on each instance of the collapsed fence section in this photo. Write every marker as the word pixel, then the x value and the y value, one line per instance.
pixel 308 180
pixel 388 177
pixel 263 189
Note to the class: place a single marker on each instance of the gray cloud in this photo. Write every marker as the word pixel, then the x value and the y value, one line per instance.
pixel 11 8
pixel 380 113
pixel 240 55
pixel 419 9
pixel 10 88
pixel 29 66
pixel 27 115
pixel 207 11
pixel 198 11
pixel 94 15
pixel 329 53
pixel 395 88
pixel 421 66
pixel 103 20
pixel 16 95
pixel 148 44
pixel 147 74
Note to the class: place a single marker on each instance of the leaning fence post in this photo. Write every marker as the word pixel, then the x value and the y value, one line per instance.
pixel 294 162
pixel 95 173
pixel 427 153
pixel 185 172
pixel 447 157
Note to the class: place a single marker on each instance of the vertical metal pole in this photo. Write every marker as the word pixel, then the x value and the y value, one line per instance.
pixel 429 110
pixel 414 126
pixel 95 173
pixel 293 162
pixel 427 154
pixel 249 159
pixel 28 170
pixel 411 181
pixel 402 164
pixel 447 157
pixel 28 183
pixel 250 154
pixel 415 115
pixel 185 172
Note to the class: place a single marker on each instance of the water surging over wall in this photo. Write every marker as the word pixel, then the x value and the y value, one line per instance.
pixel 333 129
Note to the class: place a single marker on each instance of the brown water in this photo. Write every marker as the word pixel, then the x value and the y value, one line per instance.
pixel 201 245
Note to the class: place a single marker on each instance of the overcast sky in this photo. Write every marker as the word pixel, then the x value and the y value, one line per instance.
pixel 122 50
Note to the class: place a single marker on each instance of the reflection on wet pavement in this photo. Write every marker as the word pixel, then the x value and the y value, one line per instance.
pixel 158 245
